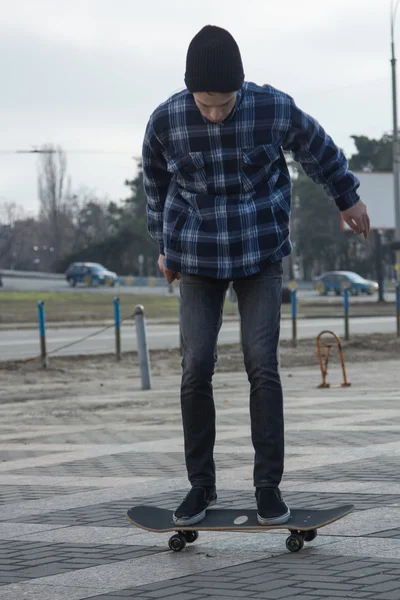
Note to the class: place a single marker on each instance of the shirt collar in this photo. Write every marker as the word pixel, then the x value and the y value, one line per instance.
pixel 239 95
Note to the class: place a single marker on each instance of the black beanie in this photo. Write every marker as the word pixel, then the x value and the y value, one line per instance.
pixel 213 62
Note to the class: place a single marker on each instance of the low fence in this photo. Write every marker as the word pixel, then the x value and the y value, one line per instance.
pixel 346 312
pixel 141 337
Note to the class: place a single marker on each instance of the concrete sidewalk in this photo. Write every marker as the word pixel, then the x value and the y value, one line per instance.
pixel 72 466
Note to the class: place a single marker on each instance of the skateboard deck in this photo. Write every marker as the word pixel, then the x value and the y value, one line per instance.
pixel 303 523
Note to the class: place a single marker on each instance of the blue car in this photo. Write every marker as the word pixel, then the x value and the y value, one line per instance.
pixel 90 274
pixel 336 281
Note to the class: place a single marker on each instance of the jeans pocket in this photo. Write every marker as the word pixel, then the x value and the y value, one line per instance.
pixel 274 269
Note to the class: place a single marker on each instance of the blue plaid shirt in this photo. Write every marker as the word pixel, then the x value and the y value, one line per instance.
pixel 219 195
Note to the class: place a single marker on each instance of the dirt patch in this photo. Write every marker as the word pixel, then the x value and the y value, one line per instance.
pixel 93 391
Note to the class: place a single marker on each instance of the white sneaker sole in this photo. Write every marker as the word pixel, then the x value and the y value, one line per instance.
pixel 281 520
pixel 186 521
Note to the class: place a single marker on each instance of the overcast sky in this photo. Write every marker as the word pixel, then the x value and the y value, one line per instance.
pixel 86 74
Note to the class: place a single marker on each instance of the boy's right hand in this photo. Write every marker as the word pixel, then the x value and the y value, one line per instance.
pixel 169 275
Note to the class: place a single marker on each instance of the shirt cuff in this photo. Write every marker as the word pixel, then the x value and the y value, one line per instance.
pixel 347 201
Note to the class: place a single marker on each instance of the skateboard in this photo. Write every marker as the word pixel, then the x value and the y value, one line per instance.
pixel 303 523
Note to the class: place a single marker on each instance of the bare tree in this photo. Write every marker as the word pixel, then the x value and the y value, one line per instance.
pixel 90 217
pixel 53 190
pixel 10 214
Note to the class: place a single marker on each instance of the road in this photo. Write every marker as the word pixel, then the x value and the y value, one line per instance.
pixel 21 344
pixel 20 284
pixel 60 285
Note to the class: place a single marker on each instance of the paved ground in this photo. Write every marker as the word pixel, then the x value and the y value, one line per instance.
pixel 20 344
pixel 70 467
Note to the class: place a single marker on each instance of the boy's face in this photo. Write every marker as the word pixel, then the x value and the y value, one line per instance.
pixel 215 106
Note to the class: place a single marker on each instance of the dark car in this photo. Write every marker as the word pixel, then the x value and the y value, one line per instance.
pixel 90 274
pixel 337 281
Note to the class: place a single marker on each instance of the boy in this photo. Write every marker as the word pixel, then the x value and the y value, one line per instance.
pixel 219 193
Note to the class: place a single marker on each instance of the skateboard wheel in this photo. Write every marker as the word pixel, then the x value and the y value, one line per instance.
pixel 177 542
pixel 190 536
pixel 309 536
pixel 294 542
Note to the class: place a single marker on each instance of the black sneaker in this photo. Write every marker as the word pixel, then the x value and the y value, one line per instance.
pixel 272 510
pixel 193 508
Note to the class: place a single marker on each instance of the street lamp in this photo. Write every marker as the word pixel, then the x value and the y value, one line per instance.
pixel 394 5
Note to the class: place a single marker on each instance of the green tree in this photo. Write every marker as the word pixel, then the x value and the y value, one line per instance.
pixel 135 218
pixel 317 235
pixel 125 236
pixel 376 155
pixel 92 218
pixel 320 243
pixel 135 204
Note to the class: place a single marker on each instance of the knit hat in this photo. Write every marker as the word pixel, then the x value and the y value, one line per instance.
pixel 213 62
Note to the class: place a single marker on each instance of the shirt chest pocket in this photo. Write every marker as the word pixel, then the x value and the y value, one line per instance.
pixel 260 165
pixel 189 172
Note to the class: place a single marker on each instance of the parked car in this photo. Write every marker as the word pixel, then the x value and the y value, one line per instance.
pixel 336 281
pixel 90 274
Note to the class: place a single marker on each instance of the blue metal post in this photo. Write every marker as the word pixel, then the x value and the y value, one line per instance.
pixel 117 320
pixel 398 308
pixel 42 333
pixel 346 313
pixel 293 300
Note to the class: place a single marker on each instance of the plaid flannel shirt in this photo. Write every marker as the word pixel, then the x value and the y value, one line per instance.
pixel 219 194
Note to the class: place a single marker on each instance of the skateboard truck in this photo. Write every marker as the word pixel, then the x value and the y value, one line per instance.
pixel 294 543
pixel 178 541
pixel 328 345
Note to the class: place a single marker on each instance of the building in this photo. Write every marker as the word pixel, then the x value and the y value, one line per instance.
pixel 376 191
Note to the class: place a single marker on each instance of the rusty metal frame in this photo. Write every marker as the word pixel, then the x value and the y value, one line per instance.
pixel 324 362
